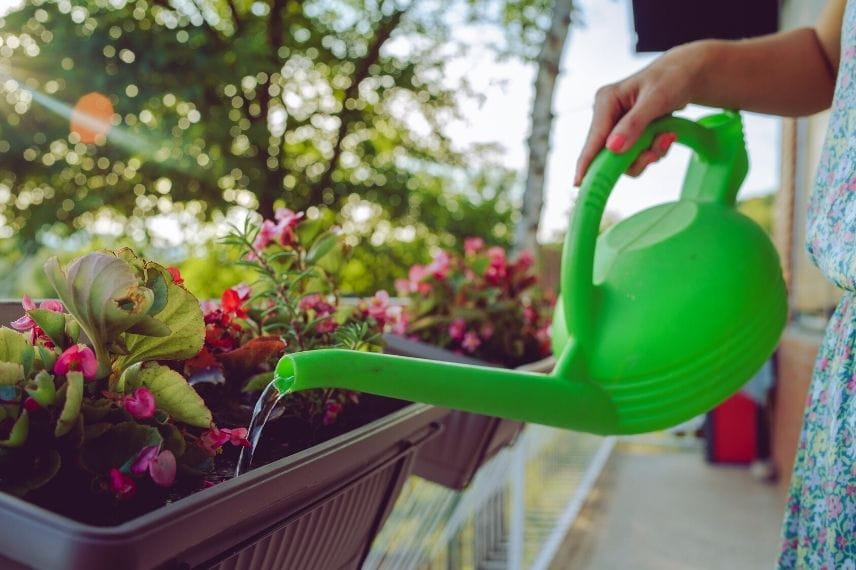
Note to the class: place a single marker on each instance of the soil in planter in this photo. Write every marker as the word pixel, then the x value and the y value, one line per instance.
pixel 282 436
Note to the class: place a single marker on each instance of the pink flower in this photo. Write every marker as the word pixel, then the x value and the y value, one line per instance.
pixel 486 331
pixel 471 341
pixel 238 436
pixel 121 485
pixel 77 357
pixel 331 412
pixel 26 323
pixel 176 275
pixel 266 235
pixel 396 320
pixel 457 328
pixel 378 305
pixel 213 439
pixel 288 221
pixel 327 325
pixel 439 267
pixel 159 464
pixel 414 282
pixel 525 260
pixel 498 269
pixel 315 302
pixel 496 255
pixel 473 245
pixel 140 404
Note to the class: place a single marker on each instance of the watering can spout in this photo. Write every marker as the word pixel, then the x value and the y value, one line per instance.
pixel 578 405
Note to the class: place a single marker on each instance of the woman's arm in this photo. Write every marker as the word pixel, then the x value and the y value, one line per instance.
pixel 789 73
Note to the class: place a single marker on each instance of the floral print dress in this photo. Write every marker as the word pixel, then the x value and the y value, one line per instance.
pixel 819 530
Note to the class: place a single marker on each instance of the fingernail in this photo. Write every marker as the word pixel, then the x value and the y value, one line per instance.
pixel 615 142
pixel 667 140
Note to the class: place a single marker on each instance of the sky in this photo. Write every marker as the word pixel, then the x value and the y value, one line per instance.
pixel 598 52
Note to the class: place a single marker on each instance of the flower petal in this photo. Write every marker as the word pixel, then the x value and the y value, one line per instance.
pixel 24 323
pixel 144 459
pixel 162 469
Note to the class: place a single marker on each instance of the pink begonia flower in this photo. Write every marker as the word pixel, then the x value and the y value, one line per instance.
pixel 213 439
pixel 525 260
pixel 288 220
pixel 77 357
pixel 121 485
pixel 496 255
pixel 439 266
pixel 26 322
pixel 140 404
pixel 457 328
pixel 473 245
pixel 331 411
pixel 160 465
pixel 486 331
pixel 471 341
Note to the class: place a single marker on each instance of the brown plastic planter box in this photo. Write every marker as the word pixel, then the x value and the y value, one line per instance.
pixel 317 509
pixel 468 440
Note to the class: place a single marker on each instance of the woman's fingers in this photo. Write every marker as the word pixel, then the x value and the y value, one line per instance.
pixel 659 147
pixel 607 110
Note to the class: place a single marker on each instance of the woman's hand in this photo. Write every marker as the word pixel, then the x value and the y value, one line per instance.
pixel 790 73
pixel 623 110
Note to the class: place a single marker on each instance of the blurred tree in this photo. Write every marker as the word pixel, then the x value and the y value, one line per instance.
pixel 239 103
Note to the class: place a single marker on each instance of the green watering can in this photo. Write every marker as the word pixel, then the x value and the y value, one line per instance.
pixel 662 317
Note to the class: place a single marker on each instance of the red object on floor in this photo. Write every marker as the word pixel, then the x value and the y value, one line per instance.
pixel 732 431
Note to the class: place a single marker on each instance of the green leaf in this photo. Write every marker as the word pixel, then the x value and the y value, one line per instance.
pixel 30 472
pixel 114 446
pixel 10 373
pixel 47 357
pixel 183 316
pixel 104 293
pixel 42 389
pixel 323 245
pixel 150 326
pixel 258 382
pixel 13 345
pixel 72 329
pixel 71 407
pixel 173 394
pixel 157 282
pixel 20 431
pixel 51 322
pixel 173 440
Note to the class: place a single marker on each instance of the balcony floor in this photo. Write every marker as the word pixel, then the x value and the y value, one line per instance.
pixel 659 506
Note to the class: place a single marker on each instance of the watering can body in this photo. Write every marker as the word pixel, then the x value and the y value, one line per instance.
pixel 660 318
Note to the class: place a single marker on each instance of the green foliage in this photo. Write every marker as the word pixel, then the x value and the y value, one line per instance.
pixel 221 104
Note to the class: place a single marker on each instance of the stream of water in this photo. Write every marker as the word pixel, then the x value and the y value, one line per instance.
pixel 265 406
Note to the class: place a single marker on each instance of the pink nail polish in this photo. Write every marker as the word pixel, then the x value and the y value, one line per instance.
pixel 615 142
pixel 667 140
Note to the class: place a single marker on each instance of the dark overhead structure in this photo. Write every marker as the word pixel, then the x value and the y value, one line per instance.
pixel 663 24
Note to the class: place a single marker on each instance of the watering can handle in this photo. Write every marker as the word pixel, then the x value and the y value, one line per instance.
pixel 717 168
